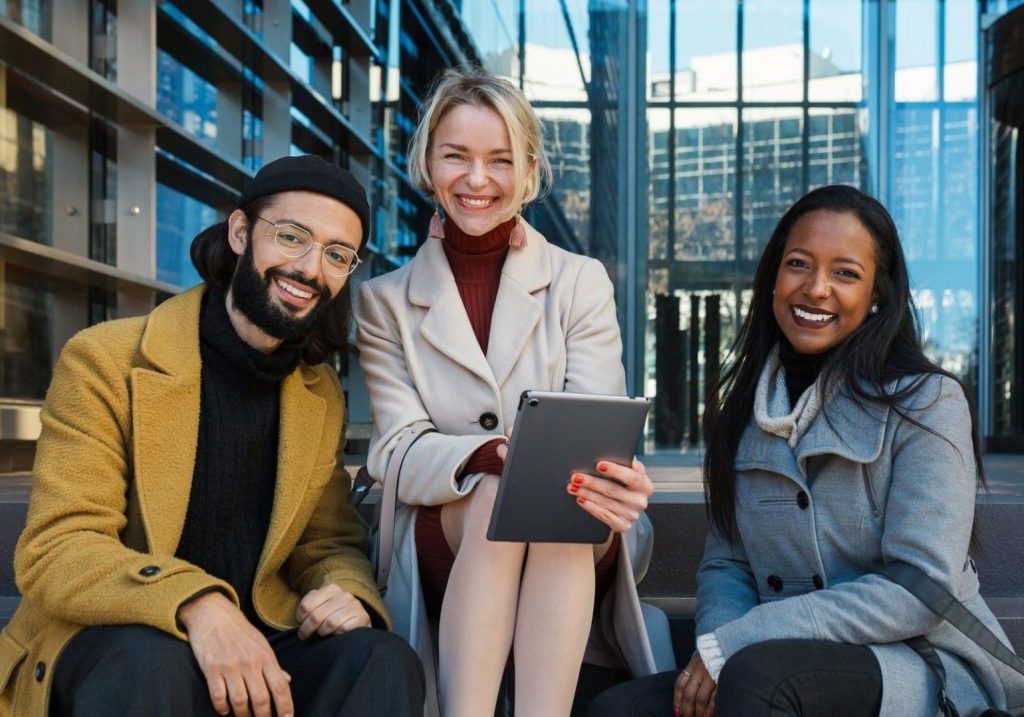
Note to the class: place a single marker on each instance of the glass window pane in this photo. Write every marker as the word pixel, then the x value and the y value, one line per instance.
pixel 494 27
pixel 706 50
pixel 960 71
pixel 916 50
pixel 658 30
pixel 26 177
pixel 186 98
pixel 772 166
pixel 773 53
pixel 836 141
pixel 179 218
pixel 836 66
pixel 567 141
pixel 27 343
pixel 553 71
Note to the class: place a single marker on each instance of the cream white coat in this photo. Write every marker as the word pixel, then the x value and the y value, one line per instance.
pixel 553 328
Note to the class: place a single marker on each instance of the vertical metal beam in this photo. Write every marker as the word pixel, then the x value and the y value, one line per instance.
pixel 985 258
pixel 805 131
pixel 522 43
pixel 634 324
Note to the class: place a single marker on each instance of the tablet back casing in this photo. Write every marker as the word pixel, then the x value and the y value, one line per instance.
pixel 556 435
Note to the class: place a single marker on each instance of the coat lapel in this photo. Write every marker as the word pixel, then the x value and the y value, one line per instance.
pixel 516 310
pixel 302 421
pixel 846 427
pixel 446 326
pixel 165 418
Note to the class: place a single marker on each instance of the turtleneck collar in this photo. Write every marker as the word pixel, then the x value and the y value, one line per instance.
pixel 801 370
pixel 221 343
pixel 476 258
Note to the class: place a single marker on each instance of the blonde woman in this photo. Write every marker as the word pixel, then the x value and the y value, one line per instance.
pixel 487 309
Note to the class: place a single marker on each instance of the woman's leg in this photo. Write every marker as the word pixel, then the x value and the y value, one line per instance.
pixel 808 678
pixel 478 613
pixel 556 607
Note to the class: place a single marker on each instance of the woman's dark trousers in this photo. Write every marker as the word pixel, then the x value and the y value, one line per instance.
pixel 140 671
pixel 778 678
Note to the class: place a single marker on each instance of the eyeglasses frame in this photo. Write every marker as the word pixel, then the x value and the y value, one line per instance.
pixel 328 267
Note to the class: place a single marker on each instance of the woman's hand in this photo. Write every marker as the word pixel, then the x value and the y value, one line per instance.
pixel 694 693
pixel 618 502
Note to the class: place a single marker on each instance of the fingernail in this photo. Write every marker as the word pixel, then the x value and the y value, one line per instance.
pixel 573 488
pixel 577 479
pixel 580 499
pixel 603 467
pixel 676 712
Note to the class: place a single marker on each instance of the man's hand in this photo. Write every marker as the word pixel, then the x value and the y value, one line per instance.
pixel 241 669
pixel 330 611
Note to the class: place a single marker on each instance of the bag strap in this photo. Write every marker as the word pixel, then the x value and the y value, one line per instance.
pixel 945 605
pixel 389 499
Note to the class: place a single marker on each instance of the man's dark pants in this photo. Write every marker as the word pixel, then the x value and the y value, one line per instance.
pixel 136 670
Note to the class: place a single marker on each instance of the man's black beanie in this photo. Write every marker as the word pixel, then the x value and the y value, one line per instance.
pixel 311 174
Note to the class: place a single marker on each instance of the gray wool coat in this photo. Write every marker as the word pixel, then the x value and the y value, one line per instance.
pixel 862 488
pixel 553 328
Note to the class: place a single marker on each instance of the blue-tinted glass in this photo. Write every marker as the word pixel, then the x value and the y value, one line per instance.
pixel 567 141
pixel 554 69
pixel 186 98
pixel 494 27
pixel 772 166
pixel 773 54
pixel 301 63
pixel 179 218
pixel 33 15
pixel 706 67
pixel 836 148
pixel 835 51
pixel 960 71
pixel 916 50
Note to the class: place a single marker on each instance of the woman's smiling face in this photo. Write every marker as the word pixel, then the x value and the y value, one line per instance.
pixel 825 284
pixel 471 168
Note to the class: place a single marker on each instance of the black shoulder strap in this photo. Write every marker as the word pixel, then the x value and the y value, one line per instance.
pixel 945 605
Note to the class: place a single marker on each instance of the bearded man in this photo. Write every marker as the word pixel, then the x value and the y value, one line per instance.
pixel 189 548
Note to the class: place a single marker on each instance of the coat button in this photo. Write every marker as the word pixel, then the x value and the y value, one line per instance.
pixel 149 571
pixel 818 582
pixel 489 421
pixel 40 672
pixel 802 500
pixel 775 583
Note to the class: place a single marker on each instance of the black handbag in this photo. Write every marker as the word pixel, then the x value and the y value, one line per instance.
pixel 945 605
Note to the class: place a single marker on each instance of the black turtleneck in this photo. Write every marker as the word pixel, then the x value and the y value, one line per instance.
pixel 236 456
pixel 801 370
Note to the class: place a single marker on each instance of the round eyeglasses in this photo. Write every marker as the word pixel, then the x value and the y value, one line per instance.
pixel 292 241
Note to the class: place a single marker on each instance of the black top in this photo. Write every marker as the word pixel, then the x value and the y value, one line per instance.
pixel 236 456
pixel 801 370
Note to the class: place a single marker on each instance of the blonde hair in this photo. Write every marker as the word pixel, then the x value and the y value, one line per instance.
pixel 472 86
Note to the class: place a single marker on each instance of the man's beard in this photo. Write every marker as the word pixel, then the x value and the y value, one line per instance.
pixel 250 294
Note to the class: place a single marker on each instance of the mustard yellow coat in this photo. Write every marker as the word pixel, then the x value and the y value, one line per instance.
pixel 110 491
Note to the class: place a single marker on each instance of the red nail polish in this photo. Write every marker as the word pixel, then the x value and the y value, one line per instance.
pixel 573 488
pixel 580 499
pixel 676 712
pixel 577 479
pixel 603 467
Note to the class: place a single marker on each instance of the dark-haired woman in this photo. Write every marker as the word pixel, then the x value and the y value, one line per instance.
pixel 837 448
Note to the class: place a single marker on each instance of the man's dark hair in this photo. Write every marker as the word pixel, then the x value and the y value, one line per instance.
pixel 886 347
pixel 216 261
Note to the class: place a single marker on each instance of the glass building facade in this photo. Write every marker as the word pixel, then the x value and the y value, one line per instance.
pixel 679 131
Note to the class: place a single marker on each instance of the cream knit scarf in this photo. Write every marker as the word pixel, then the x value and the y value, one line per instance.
pixel 771 403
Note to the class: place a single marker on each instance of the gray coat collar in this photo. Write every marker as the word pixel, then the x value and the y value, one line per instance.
pixel 845 427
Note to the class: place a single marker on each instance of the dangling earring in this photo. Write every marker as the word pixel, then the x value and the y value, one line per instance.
pixel 436 230
pixel 517 238
pixel 874 308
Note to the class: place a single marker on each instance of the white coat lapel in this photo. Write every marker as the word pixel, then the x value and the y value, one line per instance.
pixel 446 326
pixel 516 310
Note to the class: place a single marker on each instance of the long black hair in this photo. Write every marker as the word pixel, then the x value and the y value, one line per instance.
pixel 885 347
pixel 216 261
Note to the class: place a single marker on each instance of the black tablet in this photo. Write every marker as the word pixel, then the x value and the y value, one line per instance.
pixel 556 435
